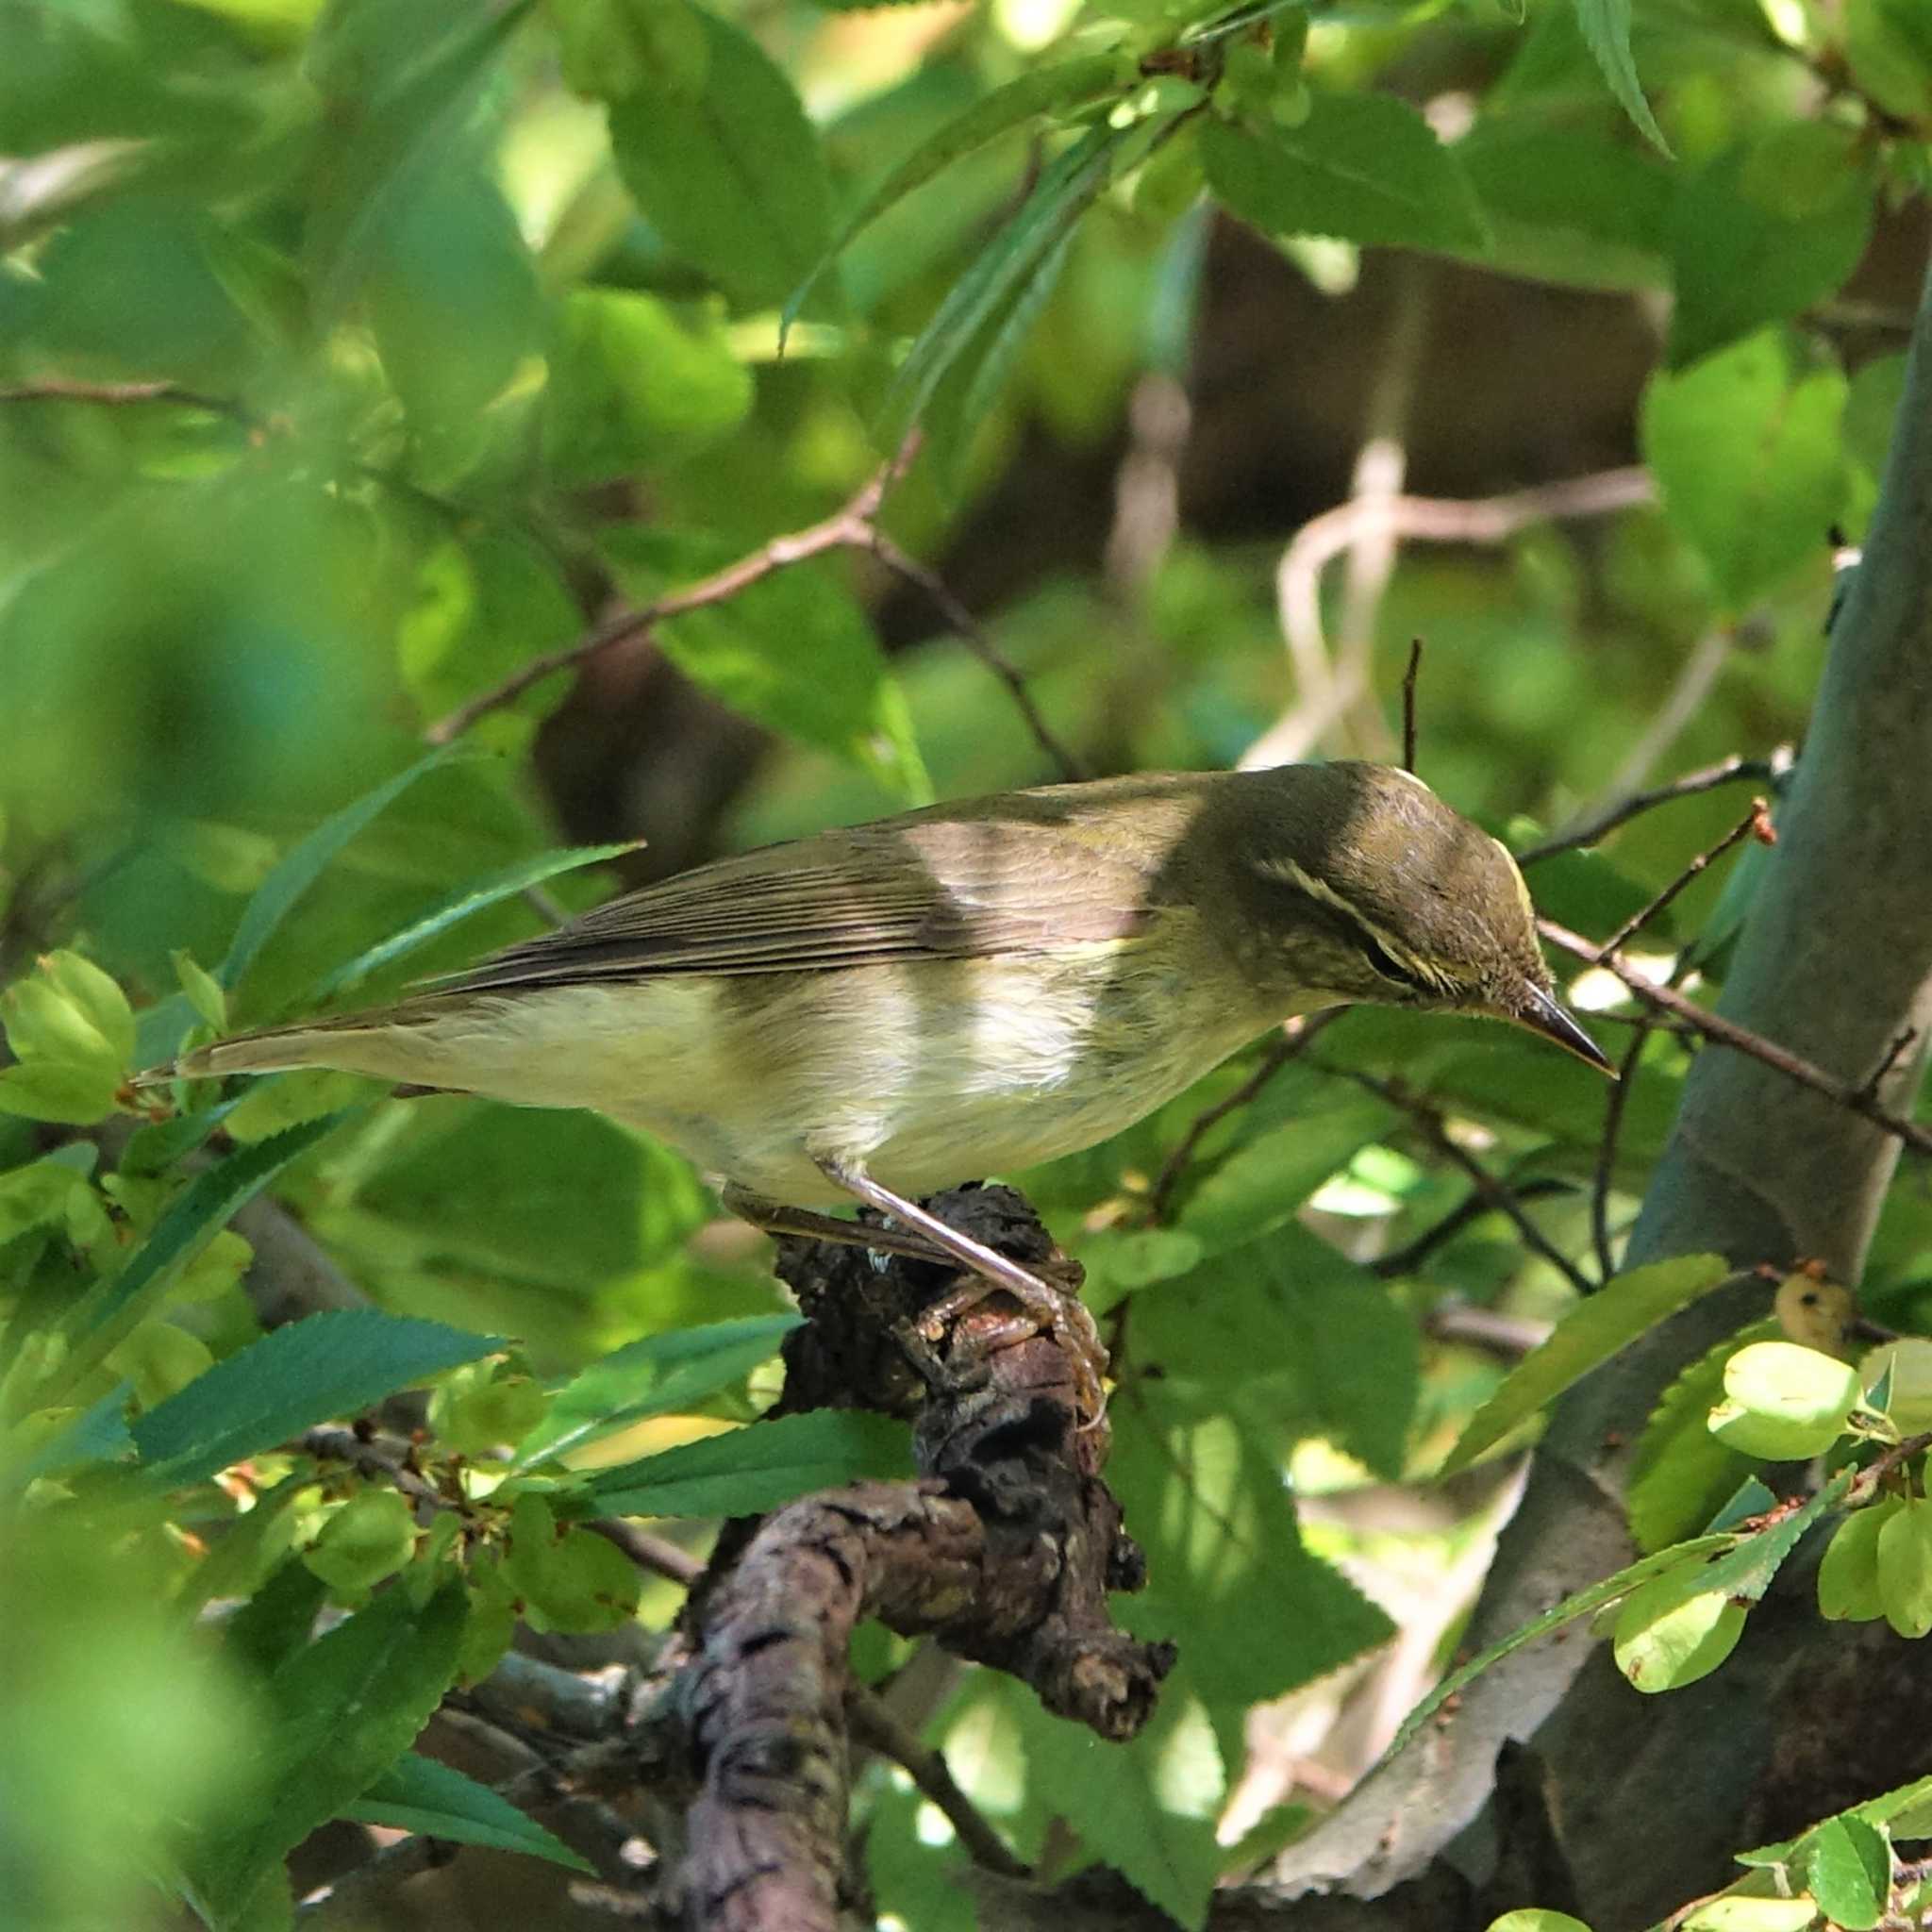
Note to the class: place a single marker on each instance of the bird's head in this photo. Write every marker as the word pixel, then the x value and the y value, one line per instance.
pixel 1360 884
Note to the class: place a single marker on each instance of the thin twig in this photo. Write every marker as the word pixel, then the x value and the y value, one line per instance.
pixel 1407 519
pixel 378 1457
pixel 1715 1027
pixel 655 1554
pixel 1411 1255
pixel 972 634
pixel 1685 699
pixel 1297 1036
pixel 1408 677
pixel 1869 1086
pixel 1731 771
pixel 1614 1105
pixel 846 527
pixel 1756 822
pixel 872 1726
pixel 57 389
pixel 1504 1335
pixel 1503 1199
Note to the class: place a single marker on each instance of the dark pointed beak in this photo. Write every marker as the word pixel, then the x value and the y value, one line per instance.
pixel 1543 1013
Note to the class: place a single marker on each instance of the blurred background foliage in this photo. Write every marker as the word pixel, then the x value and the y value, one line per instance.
pixel 354 355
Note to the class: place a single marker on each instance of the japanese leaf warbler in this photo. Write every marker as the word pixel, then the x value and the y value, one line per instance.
pixel 885 1010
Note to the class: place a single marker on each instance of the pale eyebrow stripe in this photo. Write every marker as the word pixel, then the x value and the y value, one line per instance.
pixel 1288 872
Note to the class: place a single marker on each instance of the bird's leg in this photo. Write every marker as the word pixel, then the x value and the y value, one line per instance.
pixel 774 1217
pixel 1062 1315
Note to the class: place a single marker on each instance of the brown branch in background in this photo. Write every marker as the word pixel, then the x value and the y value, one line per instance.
pixel 1731 771
pixel 655 1555
pixel 1411 1255
pixel 1323 697
pixel 1408 677
pixel 853 527
pixel 974 635
pixel 118 394
pixel 1715 1027
pixel 1756 824
pixel 1297 1036
pixel 1429 1123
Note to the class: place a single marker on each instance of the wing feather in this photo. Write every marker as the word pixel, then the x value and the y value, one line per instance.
pixel 922 887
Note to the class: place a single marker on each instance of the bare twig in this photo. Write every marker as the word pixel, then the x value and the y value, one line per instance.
pixel 655 1554
pixel 1408 677
pixel 972 634
pixel 875 1727
pixel 1504 1335
pixel 378 1457
pixel 1730 771
pixel 1501 1198
pixel 1715 1027
pixel 1755 824
pixel 1408 519
pixel 1297 1036
pixel 1870 1084
pixel 1682 703
pixel 1607 1148
pixel 1408 1258
pixel 56 389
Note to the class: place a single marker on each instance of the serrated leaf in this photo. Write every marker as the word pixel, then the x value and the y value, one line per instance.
pixel 461 905
pixel 1147 1807
pixel 348 1706
pixel 1340 1355
pixel 1206 1501
pixel 1762 232
pixel 1593 1331
pixel 307 1371
pixel 1362 167
pixel 1748 461
pixel 1067 188
pixel 1039 90
pixel 192 1219
pixel 795 652
pixel 1605 25
pixel 1848 1869
pixel 436 1800
pixel 755 1469
pixel 1682 1473
pixel 1583 1602
pixel 654 1376
pixel 731 174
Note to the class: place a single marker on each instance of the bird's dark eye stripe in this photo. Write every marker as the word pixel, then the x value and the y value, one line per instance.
pixel 1390 967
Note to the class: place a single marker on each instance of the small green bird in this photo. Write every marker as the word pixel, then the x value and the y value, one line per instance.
pixel 883 1012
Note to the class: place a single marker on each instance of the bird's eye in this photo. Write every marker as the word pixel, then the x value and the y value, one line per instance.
pixel 1390 968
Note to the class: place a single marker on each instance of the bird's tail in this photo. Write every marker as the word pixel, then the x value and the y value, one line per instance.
pixel 356 1044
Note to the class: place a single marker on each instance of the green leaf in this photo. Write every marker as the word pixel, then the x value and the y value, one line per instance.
pixel 436 1800
pixel 1904 1566
pixel 1748 458
pixel 795 652
pixel 461 905
pixel 69 1094
pixel 554 1197
pixel 310 860
pixel 1206 1501
pixel 1666 1640
pixel 1889 45
pixel 1737 1913
pixel 192 1220
pixel 1784 1403
pixel 731 174
pixel 636 381
pixel 1264 1183
pixel 1848 1869
pixel 755 1469
pixel 1763 233
pixel 324 1365
pixel 1039 90
pixel 653 1377
pixel 1593 1331
pixel 1681 1473
pixel 1362 167
pixel 1338 1353
pixel 1584 1603
pixel 1146 1807
pixel 1535 1919
pixel 397 82
pixel 1605 25
pixel 348 1706
pixel 1070 184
